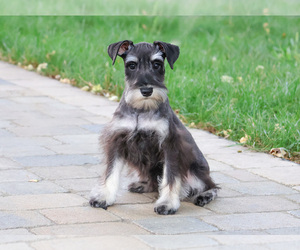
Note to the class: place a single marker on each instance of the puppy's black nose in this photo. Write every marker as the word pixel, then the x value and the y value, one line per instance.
pixel 146 91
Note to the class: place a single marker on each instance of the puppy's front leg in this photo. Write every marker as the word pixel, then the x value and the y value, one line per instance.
pixel 169 192
pixel 104 193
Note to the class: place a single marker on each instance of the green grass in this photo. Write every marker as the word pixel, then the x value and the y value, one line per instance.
pixel 137 7
pixel 262 103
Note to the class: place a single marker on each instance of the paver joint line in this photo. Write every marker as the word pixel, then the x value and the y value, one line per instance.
pixel 49 161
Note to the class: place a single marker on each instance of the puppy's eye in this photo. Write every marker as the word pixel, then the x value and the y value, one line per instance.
pixel 156 65
pixel 131 66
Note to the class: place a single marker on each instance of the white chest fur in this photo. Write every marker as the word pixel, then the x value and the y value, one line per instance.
pixel 160 126
pixel 142 123
pixel 126 123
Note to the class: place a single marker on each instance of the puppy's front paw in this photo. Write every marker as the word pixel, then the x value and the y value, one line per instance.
pixel 98 204
pixel 164 210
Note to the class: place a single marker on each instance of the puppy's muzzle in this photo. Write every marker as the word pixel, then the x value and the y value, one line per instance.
pixel 146 92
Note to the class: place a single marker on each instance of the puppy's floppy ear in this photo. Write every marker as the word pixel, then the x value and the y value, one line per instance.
pixel 171 51
pixel 119 48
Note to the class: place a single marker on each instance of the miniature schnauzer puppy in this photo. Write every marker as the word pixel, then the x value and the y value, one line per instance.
pixel 146 135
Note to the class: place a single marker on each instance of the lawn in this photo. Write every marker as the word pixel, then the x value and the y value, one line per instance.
pixel 236 76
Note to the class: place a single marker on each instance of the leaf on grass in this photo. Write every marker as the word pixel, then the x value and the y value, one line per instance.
pixel 278 127
pixel 96 89
pixel 266 28
pixel 113 98
pixel 245 138
pixel 226 133
pixel 41 66
pixel 227 79
pixel 65 80
pixel 265 25
pixel 29 67
pixel 85 88
pixel 48 55
pixel 177 111
pixel 192 125
pixel 259 68
pixel 278 152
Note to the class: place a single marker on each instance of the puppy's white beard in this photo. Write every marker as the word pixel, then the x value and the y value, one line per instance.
pixel 136 100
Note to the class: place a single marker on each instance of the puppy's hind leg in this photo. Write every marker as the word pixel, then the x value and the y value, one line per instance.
pixel 201 191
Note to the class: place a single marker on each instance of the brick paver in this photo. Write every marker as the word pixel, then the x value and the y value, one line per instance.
pixel 92 243
pixel 49 161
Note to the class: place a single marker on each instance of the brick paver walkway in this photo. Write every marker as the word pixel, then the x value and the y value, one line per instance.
pixel 49 162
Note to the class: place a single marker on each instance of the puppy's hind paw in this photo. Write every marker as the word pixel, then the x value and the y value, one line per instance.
pixel 98 204
pixel 206 197
pixel 136 189
pixel 163 210
pixel 202 201
pixel 141 187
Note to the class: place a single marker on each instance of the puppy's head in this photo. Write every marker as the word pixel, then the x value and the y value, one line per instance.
pixel 144 71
